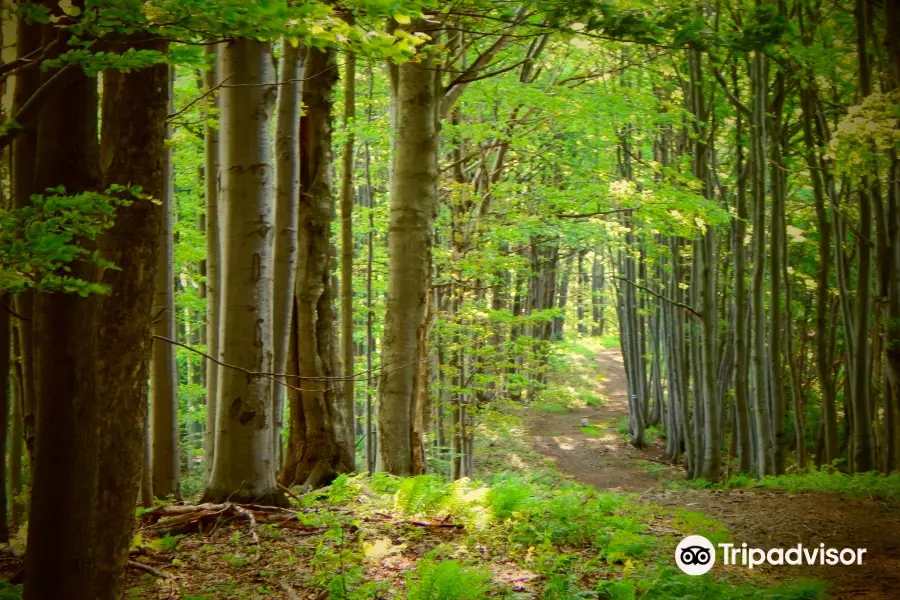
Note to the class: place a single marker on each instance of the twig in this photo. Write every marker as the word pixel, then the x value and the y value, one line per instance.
pixel 594 214
pixel 33 105
pixel 198 99
pixel 288 491
pixel 14 313
pixel 661 297
pixel 289 591
pixel 133 564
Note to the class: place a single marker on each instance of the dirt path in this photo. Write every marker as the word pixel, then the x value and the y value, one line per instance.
pixel 762 518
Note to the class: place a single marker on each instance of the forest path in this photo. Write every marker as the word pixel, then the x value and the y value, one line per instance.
pixel 764 518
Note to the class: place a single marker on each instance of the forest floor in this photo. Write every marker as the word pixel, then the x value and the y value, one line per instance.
pixel 600 456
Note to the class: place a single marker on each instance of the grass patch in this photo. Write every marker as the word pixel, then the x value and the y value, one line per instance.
pixel 590 398
pixel 549 407
pixel 592 430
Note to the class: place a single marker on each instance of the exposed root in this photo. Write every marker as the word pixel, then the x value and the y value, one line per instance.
pixel 200 518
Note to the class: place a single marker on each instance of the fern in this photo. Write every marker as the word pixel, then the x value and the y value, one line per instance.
pixel 424 495
pixel 507 498
pixel 446 580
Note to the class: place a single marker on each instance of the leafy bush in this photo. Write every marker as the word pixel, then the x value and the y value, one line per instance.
pixel 9 591
pixel 446 580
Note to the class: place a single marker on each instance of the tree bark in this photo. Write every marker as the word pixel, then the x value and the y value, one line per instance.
pixel 163 370
pixel 61 549
pixel 243 469
pixel 413 204
pixel 347 242
pixel 765 448
pixel 287 207
pixel 320 445
pixel 133 152
pixel 213 256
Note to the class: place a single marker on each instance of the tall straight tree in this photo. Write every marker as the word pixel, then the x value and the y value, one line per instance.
pixel 287 197
pixel 163 379
pixel 243 468
pixel 133 152
pixel 213 254
pixel 320 445
pixel 61 535
pixel 414 179
pixel 347 241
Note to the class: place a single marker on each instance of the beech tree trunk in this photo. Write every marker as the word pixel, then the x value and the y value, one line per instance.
pixel 213 254
pixel 347 242
pixel 163 373
pixel 287 199
pixel 320 445
pixel 413 205
pixel 243 468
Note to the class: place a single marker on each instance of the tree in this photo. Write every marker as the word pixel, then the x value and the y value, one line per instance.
pixel 165 460
pixel 413 204
pixel 243 467
pixel 320 445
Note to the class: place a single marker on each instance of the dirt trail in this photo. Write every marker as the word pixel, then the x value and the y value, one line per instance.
pixel 762 518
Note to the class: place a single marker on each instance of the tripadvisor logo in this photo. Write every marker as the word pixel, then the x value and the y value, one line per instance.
pixel 695 555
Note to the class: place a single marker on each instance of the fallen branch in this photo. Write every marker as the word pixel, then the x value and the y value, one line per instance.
pixel 133 564
pixel 289 591
pixel 243 511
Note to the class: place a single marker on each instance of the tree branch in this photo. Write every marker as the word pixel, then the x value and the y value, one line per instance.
pixel 660 296
pixel 594 214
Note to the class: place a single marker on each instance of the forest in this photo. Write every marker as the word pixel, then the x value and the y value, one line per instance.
pixel 448 299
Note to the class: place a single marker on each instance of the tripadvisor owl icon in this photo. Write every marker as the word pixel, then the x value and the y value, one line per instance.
pixel 695 555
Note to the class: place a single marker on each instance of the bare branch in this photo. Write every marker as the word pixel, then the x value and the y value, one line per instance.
pixel 660 296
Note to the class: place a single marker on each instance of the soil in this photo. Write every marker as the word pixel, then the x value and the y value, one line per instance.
pixel 763 518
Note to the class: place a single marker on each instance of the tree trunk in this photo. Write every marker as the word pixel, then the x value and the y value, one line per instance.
pixel 320 445
pixel 133 152
pixel 163 374
pixel 24 157
pixel 413 205
pixel 5 379
pixel 61 535
pixel 347 242
pixel 213 255
pixel 243 469
pixel 765 448
pixel 287 203
pixel 863 455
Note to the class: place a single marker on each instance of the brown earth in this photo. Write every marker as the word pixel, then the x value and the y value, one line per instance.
pixel 762 518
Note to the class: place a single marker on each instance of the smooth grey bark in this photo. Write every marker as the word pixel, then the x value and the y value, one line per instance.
pixel 287 199
pixel 243 468
pixel 163 370
pixel 413 204
pixel 370 312
pixel 347 241
pixel 213 258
